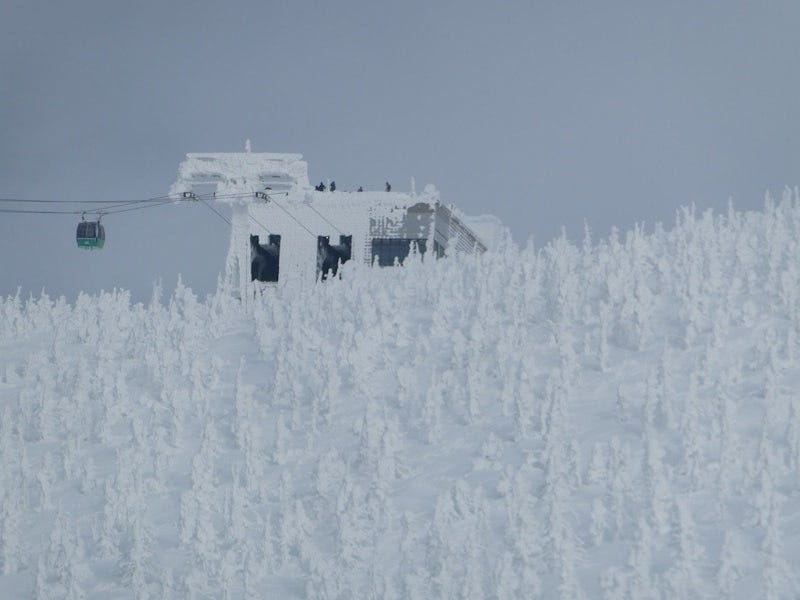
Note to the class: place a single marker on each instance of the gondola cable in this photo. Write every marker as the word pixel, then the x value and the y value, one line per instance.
pixel 294 218
pixel 219 214
pixel 326 220
pixel 122 210
pixel 22 211
pixel 106 210
pixel 270 197
pixel 113 207
pixel 259 223
pixel 106 202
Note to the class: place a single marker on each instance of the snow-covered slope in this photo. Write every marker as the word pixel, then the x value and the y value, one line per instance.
pixel 619 420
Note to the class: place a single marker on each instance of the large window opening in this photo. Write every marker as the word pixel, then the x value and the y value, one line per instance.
pixel 330 256
pixel 265 258
pixel 395 250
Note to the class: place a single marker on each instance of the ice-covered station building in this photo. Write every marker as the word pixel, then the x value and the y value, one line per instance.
pixel 282 228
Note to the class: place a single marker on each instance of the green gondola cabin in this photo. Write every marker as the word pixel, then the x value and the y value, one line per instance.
pixel 90 234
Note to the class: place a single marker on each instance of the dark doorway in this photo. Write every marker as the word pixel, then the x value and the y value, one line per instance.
pixel 329 256
pixel 390 249
pixel 265 258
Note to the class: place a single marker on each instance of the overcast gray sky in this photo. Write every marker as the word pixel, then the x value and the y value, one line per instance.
pixel 543 113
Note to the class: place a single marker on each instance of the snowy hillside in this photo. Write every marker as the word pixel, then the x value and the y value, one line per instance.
pixel 618 419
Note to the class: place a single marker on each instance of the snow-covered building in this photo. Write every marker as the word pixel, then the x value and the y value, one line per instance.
pixel 283 228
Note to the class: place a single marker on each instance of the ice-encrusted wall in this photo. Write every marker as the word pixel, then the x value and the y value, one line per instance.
pixel 241 171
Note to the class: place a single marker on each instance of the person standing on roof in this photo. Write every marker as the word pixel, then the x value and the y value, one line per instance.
pixel 388 187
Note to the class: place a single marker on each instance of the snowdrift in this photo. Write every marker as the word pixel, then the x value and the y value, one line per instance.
pixel 615 419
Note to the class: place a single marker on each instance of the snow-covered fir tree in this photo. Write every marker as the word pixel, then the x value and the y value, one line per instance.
pixel 617 418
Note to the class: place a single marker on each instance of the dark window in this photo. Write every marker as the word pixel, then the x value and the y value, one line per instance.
pixel 330 256
pixel 91 229
pixel 389 249
pixel 265 258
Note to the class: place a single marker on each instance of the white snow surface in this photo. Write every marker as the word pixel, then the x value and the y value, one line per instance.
pixel 617 419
